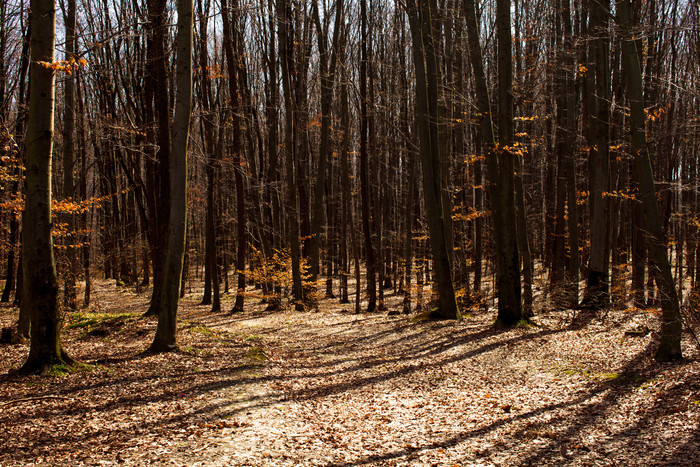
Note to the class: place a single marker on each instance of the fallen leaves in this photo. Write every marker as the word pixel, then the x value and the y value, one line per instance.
pixel 327 388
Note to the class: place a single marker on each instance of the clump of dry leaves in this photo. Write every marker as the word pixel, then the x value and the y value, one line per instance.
pixel 336 389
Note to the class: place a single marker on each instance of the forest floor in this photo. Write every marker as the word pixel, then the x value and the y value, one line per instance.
pixel 331 388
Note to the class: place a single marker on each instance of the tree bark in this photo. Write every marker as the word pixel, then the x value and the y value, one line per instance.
pixel 238 162
pixel 597 294
pixel 165 338
pixel 370 257
pixel 423 29
pixel 499 163
pixel 671 328
pixel 70 298
pixel 40 284
pixel 284 17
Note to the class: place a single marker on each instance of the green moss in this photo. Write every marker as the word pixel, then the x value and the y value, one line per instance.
pixel 86 320
pixel 60 370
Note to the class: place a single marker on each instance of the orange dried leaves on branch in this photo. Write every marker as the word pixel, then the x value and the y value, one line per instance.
pixel 66 66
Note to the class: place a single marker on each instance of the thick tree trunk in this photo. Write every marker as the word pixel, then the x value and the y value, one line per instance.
pixel 671 328
pixel 165 338
pixel 499 162
pixel 40 293
pixel 423 29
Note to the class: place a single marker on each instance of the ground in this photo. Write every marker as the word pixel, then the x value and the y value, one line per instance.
pixel 331 388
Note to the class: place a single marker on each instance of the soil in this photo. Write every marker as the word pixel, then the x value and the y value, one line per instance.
pixel 331 388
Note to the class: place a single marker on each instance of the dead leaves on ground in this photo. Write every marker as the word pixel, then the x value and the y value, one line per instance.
pixel 326 388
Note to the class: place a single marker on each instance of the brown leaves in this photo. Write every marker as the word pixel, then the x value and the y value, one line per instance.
pixel 342 389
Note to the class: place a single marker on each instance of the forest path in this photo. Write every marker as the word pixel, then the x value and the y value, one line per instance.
pixel 330 388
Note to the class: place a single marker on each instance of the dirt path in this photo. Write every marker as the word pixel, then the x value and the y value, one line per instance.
pixel 335 389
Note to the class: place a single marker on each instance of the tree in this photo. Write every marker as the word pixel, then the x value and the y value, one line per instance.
pixel 68 159
pixel 422 18
pixel 40 284
pixel 499 162
pixel 365 194
pixel 597 293
pixel 672 326
pixel 327 70
pixel 286 49
pixel 165 338
pixel 238 163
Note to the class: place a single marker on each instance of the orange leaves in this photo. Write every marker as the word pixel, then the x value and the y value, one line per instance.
pixel 472 158
pixel 618 194
pixel 67 66
pixel 211 72
pixel 468 216
pixel 517 149
pixel 14 204
pixel 653 115
pixel 68 206
pixel 581 197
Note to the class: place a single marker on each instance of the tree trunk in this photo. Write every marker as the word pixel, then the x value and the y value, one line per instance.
pixel 597 294
pixel 156 90
pixel 370 258
pixel 499 163
pixel 327 65
pixel 284 12
pixel 238 164
pixel 671 328
pixel 423 28
pixel 165 338
pixel 40 284
pixel 68 160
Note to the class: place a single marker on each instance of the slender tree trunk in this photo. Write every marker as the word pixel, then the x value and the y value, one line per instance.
pixel 286 48
pixel 370 257
pixel 156 90
pixel 597 294
pixel 239 166
pixel 23 322
pixel 408 240
pixel 327 65
pixel 68 160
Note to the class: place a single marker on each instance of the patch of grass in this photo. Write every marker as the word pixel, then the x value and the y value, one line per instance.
pixel 604 377
pixel 252 337
pixel 204 330
pixel 256 353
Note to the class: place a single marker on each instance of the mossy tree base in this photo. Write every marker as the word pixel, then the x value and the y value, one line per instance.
pixel 38 364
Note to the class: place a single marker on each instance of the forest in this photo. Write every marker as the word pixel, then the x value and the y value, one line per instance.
pixel 266 230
